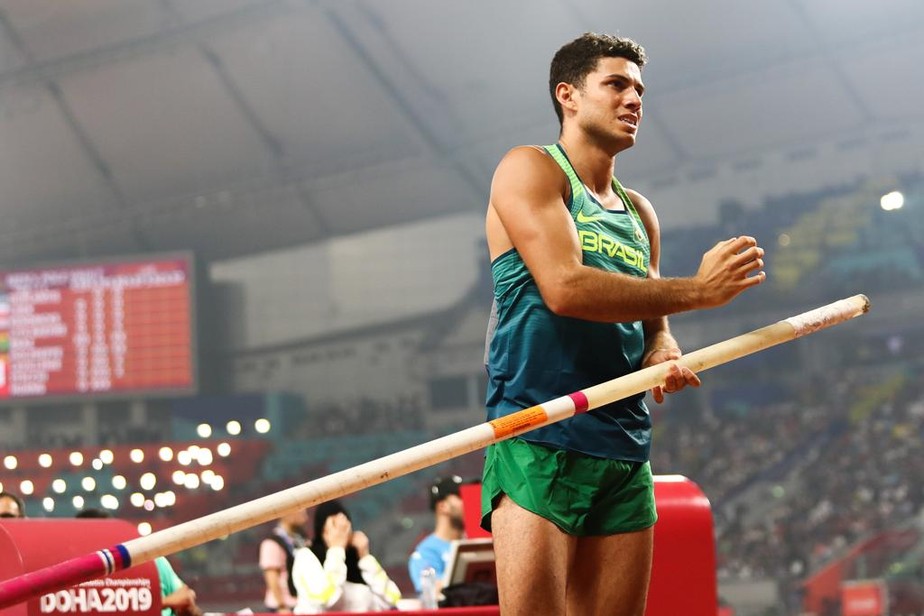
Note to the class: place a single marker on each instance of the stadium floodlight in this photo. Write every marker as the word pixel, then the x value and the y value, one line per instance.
pixel 204 456
pixel 892 201
pixel 148 481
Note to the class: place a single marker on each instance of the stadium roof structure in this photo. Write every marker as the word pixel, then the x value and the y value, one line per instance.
pixel 232 127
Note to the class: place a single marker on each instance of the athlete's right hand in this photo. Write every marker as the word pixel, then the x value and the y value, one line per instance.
pixel 728 268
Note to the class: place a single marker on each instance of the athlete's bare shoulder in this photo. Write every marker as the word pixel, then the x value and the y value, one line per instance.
pixel 529 166
pixel 528 155
pixel 644 208
pixel 649 218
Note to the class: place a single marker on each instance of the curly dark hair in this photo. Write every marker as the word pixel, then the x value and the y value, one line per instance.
pixel 575 60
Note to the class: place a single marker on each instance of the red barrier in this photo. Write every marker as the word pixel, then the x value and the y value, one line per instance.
pixel 28 545
pixel 471 496
pixel 683 577
pixel 864 598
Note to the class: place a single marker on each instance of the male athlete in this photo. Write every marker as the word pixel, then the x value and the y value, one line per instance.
pixel 578 301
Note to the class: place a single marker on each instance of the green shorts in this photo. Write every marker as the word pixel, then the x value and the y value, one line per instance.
pixel 582 495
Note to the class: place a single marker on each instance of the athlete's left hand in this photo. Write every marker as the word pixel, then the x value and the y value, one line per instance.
pixel 677 376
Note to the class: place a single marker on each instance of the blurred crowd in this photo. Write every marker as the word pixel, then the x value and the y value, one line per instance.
pixel 794 485
pixel 363 416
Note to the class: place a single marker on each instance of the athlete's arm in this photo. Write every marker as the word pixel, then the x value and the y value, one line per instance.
pixel 660 345
pixel 527 211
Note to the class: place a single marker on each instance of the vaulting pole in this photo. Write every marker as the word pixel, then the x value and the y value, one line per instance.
pixel 213 526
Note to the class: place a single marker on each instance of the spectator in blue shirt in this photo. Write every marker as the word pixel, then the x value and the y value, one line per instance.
pixel 433 551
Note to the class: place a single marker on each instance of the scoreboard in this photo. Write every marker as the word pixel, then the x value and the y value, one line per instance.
pixel 115 327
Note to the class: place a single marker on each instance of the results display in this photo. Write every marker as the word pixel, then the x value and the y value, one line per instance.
pixel 114 327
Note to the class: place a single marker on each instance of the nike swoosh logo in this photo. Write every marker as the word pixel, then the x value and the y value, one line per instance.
pixel 581 217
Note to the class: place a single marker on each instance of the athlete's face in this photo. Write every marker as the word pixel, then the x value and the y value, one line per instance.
pixel 609 105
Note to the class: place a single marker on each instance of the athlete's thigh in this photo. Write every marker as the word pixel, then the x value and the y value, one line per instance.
pixel 610 574
pixel 532 557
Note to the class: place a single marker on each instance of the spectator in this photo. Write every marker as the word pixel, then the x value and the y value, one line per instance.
pixel 11 506
pixel 338 573
pixel 277 555
pixel 176 597
pixel 433 551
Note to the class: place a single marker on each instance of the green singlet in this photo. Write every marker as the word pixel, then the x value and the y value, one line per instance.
pixel 534 355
